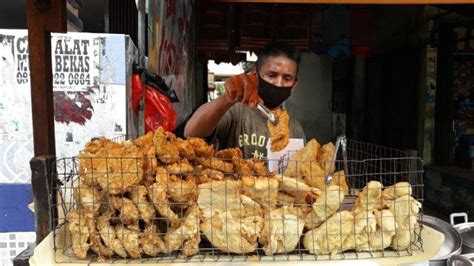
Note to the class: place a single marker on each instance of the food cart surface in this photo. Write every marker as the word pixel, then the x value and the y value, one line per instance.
pixel 432 241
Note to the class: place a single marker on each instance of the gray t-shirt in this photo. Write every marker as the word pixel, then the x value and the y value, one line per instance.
pixel 246 128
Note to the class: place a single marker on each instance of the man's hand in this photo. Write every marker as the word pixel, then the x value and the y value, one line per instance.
pixel 242 88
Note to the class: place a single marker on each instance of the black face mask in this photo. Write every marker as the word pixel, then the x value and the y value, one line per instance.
pixel 272 96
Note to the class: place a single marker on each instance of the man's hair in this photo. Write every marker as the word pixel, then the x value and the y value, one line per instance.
pixel 278 49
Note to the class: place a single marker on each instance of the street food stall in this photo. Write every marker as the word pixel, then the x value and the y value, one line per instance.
pixel 161 198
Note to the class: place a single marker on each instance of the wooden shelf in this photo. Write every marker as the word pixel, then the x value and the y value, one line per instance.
pixel 454 171
pixel 215 30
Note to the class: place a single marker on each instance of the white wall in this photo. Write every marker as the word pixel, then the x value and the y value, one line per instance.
pixel 224 69
pixel 310 101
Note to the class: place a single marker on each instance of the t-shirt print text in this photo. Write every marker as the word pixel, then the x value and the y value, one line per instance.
pixel 257 142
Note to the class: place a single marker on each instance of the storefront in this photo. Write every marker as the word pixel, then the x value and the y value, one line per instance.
pixel 394 78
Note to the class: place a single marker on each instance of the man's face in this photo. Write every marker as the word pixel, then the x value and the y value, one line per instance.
pixel 279 71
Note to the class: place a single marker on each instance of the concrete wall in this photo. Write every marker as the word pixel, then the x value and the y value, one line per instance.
pixel 172 52
pixel 310 101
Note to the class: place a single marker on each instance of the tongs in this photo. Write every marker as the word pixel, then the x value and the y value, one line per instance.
pixel 342 143
pixel 265 111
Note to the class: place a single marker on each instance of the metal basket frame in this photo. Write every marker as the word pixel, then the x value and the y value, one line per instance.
pixel 363 162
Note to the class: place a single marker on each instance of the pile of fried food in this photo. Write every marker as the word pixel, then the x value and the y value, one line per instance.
pixel 159 194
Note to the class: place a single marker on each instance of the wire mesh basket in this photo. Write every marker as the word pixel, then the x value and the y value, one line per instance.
pixel 128 201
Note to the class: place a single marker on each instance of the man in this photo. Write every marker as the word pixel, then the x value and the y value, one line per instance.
pixel 232 119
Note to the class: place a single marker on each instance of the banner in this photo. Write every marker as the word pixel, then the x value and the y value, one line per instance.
pixel 90 88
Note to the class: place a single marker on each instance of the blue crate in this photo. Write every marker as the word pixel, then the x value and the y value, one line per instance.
pixel 14 213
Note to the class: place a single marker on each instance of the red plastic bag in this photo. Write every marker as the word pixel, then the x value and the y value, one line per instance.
pixel 158 108
pixel 158 111
pixel 137 92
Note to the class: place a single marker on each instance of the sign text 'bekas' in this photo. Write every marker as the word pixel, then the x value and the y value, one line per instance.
pixel 71 62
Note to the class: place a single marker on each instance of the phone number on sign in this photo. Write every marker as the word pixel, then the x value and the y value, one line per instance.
pixel 71 79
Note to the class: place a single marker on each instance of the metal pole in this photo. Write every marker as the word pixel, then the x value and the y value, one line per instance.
pixel 142 27
pixel 141 31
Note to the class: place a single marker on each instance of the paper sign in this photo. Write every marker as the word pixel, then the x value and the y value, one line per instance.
pixel 275 157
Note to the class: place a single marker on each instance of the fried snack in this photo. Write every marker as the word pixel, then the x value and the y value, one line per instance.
pixel 145 144
pixel 302 192
pixel 329 236
pixel 398 190
pixel 230 153
pixel 313 174
pixel 285 199
pixel 326 205
pixel 306 154
pixel 91 167
pixel 93 146
pixel 281 231
pixel 98 153
pixel 98 247
pixel 129 213
pixel 109 236
pixel 369 198
pixel 185 237
pixel 185 149
pixel 96 145
pixel 115 168
pixel 166 147
pixel 242 167
pixel 181 167
pixel 191 247
pixel 201 148
pixel 157 194
pixel 216 164
pixel 382 237
pixel 232 234
pixel 279 132
pixel 259 167
pixel 80 225
pixel 263 190
pixel 364 225
pixel 125 170
pixel 150 242
pixel 218 197
pixel 325 158
pixel 404 238
pixel 150 164
pixel 144 141
pixel 129 239
pixel 210 174
pixel 182 191
pixel 405 210
pixel 250 167
pixel 138 196
pixel 339 179
pixel 317 179
pixel 89 197
pixel 225 196
pixel 251 208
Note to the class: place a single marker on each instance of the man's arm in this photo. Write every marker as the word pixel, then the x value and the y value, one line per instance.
pixel 205 119
pixel 241 88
